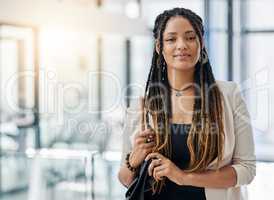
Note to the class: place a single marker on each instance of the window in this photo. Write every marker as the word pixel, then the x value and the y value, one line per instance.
pixel 258 37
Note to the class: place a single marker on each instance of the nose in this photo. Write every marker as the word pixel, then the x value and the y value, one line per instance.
pixel 181 44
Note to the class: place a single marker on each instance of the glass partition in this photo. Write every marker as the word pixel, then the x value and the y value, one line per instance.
pixel 48 174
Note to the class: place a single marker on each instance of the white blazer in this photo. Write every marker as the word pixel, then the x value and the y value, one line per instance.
pixel 239 144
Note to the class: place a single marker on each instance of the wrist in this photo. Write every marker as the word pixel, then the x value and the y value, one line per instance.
pixel 129 165
pixel 131 161
pixel 185 178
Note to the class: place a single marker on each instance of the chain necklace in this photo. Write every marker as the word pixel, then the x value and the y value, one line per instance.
pixel 179 93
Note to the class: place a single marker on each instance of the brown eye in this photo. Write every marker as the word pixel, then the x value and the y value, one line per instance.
pixel 191 38
pixel 170 39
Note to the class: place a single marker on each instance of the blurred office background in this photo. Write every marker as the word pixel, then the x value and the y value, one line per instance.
pixel 68 69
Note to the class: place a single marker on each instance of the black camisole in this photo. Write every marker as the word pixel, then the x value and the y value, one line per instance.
pixel 181 158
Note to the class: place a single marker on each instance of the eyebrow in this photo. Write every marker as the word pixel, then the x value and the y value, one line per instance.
pixel 174 33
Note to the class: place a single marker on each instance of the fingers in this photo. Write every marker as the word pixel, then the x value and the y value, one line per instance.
pixel 142 143
pixel 153 164
pixel 146 133
pixel 142 140
pixel 158 172
pixel 154 155
pixel 145 140
pixel 145 137
pixel 147 145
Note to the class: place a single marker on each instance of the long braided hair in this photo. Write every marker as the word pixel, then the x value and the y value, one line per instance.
pixel 206 135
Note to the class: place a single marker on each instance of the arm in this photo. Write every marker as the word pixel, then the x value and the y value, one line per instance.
pixel 224 178
pixel 161 166
pixel 244 159
pixel 240 172
pixel 125 176
pixel 143 143
pixel 243 168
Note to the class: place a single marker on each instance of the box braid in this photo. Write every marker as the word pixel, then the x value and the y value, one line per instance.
pixel 206 135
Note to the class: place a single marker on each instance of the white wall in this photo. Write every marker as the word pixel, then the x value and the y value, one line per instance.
pixel 72 15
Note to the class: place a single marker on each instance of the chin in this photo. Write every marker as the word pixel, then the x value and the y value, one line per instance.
pixel 183 67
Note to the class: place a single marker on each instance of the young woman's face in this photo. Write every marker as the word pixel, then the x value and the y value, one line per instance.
pixel 181 46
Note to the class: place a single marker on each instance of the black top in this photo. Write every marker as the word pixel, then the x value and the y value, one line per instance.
pixel 181 158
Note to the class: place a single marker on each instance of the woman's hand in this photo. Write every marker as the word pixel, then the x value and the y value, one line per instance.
pixel 144 141
pixel 161 166
pixel 143 144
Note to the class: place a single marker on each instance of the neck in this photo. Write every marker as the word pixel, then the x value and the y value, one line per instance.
pixel 180 79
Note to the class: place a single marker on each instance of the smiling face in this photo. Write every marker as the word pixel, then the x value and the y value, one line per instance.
pixel 181 46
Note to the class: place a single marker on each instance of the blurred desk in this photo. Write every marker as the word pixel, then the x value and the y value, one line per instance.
pixel 53 173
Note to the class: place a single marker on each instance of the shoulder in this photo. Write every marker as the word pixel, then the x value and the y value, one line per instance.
pixel 227 87
pixel 232 93
pixel 230 90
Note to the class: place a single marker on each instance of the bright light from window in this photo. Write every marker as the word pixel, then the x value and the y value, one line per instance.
pixel 132 9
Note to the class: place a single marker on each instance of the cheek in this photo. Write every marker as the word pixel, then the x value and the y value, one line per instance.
pixel 168 54
pixel 196 51
pixel 196 55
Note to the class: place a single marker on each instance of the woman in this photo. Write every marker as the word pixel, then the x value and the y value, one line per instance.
pixel 198 133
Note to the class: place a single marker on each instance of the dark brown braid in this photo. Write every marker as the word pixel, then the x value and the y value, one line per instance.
pixel 206 135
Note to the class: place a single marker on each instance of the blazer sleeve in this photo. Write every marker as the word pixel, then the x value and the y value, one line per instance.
pixel 243 160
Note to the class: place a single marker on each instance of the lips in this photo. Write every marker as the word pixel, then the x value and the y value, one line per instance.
pixel 182 56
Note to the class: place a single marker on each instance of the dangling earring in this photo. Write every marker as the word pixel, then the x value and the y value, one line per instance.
pixel 203 57
pixel 164 70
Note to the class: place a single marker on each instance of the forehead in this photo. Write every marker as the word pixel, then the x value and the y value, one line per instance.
pixel 178 24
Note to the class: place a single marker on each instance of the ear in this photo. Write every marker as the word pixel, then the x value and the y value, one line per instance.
pixel 157 46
